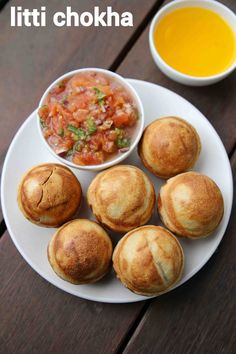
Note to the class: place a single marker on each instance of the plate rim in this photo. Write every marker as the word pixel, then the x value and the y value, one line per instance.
pixel 109 300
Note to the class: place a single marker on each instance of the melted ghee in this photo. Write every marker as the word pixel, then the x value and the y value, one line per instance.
pixel 195 41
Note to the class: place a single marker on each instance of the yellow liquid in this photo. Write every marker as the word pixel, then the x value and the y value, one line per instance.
pixel 195 41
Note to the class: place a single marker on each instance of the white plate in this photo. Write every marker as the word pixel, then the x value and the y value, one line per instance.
pixel 27 150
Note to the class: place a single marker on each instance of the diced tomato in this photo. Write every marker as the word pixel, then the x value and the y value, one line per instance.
pixel 80 115
pixel 121 120
pixel 119 101
pixel 105 89
pixel 111 135
pixel 132 119
pixel 88 158
pixel 102 80
pixel 78 102
pixel 88 79
pixel 54 108
pixel 109 146
pixel 96 141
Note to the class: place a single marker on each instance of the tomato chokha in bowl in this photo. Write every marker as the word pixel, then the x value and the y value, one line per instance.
pixel 91 118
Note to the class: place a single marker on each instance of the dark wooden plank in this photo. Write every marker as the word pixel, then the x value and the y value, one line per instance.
pixel 198 317
pixel 217 102
pixel 36 317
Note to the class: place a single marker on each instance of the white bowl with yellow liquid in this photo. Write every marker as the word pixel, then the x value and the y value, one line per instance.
pixel 192 52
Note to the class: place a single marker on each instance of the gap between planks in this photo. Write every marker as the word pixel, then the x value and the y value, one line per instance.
pixel 133 327
pixel 135 36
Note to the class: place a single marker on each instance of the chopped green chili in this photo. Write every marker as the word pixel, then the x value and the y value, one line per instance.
pixel 92 128
pixel 123 142
pixel 118 132
pixel 61 132
pixel 100 95
pixel 77 146
pixel 77 131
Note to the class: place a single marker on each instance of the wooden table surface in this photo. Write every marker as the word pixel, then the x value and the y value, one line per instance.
pixel 35 317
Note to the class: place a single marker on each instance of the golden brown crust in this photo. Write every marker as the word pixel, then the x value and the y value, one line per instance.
pixel 148 260
pixel 49 194
pixel 169 146
pixel 80 252
pixel 191 205
pixel 122 198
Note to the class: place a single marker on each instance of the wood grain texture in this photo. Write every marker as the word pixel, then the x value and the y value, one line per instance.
pixel 216 102
pixel 36 317
pixel 200 316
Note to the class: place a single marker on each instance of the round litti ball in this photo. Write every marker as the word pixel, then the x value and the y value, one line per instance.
pixel 122 198
pixel 169 146
pixel 191 205
pixel 49 194
pixel 148 260
pixel 80 252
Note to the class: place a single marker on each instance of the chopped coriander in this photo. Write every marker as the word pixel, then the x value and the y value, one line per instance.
pixel 100 95
pixel 92 128
pixel 118 132
pixel 75 137
pixel 77 131
pixel 72 129
pixel 77 146
pixel 122 142
pixel 61 132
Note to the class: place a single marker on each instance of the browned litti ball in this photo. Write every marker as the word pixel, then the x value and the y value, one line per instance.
pixel 122 198
pixel 148 260
pixel 80 252
pixel 169 146
pixel 49 194
pixel 191 205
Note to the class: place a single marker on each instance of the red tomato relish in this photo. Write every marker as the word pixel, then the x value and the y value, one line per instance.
pixel 88 118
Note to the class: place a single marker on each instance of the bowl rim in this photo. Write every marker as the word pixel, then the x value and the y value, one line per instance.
pixel 118 158
pixel 169 68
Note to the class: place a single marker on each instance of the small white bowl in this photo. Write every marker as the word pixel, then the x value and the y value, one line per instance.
pixel 120 156
pixel 173 74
